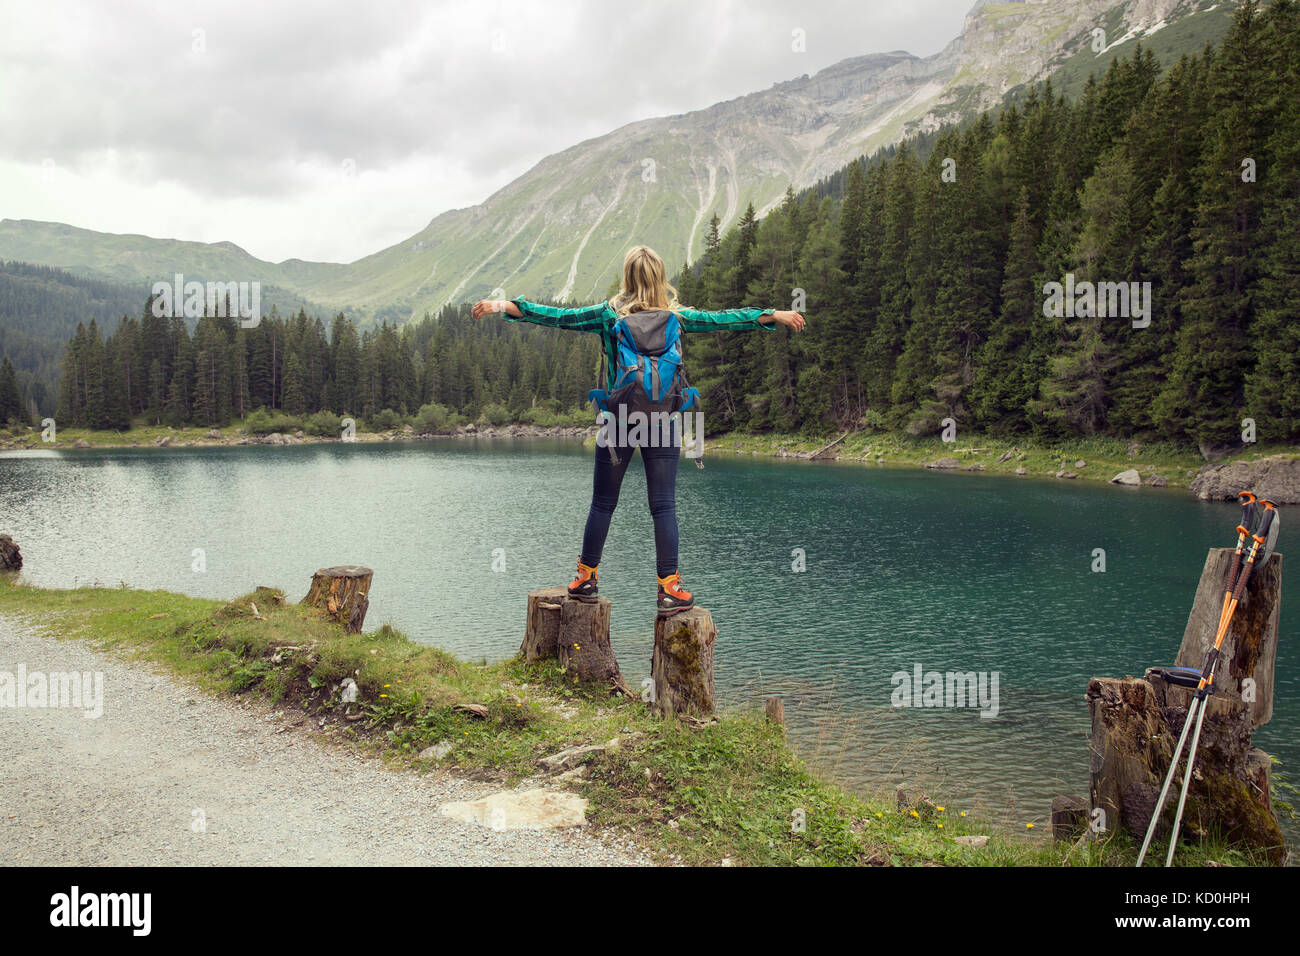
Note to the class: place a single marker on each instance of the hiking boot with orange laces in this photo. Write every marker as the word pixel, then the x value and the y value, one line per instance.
pixel 583 587
pixel 673 598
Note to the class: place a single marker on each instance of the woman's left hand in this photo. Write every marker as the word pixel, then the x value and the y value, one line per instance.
pixel 484 306
pixel 793 319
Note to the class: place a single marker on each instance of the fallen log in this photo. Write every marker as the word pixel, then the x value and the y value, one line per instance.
pixel 827 447
pixel 682 663
pixel 343 593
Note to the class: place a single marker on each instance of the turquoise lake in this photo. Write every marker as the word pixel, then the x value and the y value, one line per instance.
pixel 905 568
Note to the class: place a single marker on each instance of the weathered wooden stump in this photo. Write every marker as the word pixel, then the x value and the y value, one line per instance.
pixel 11 558
pixel 542 631
pixel 343 593
pixel 682 663
pixel 1136 724
pixel 1250 646
pixel 1129 745
pixel 1133 736
pixel 583 644
pixel 774 709
pixel 574 632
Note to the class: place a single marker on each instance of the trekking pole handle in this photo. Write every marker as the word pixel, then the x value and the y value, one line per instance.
pixel 1248 518
pixel 1259 538
pixel 1270 511
pixel 1248 500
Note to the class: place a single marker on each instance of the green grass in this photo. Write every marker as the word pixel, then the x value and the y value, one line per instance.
pixel 729 790
pixel 1103 457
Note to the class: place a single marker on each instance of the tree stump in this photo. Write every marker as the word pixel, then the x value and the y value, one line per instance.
pixel 1129 744
pixel 542 631
pixel 1249 647
pixel 343 593
pixel 1136 723
pixel 583 646
pixel 11 558
pixel 774 709
pixel 682 663
pixel 1133 736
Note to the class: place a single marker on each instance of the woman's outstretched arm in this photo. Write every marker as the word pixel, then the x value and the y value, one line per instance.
pixel 695 320
pixel 587 318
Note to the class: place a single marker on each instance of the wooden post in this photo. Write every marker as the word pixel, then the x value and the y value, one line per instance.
pixel 11 558
pixel 774 708
pixel 1250 646
pixel 343 593
pixel 682 663
pixel 542 631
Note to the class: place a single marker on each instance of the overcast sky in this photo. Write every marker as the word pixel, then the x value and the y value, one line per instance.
pixel 331 130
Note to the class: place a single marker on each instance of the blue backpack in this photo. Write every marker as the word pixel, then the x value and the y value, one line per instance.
pixel 649 376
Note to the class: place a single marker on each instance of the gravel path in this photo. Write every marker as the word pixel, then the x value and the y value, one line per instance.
pixel 123 789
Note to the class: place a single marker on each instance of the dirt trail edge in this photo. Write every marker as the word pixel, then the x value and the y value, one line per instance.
pixel 170 775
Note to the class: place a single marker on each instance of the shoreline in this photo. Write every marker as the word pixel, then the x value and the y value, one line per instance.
pixel 1094 461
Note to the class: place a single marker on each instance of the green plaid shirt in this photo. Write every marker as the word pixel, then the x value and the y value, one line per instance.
pixel 602 318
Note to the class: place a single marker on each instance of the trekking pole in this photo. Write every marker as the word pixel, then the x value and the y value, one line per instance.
pixel 1206 686
pixel 1249 517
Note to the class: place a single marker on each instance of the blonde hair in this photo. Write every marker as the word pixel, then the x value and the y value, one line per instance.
pixel 645 284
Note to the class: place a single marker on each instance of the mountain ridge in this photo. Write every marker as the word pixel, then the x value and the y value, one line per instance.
pixel 560 229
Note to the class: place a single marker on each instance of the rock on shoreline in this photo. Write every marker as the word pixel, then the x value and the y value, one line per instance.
pixel 1275 478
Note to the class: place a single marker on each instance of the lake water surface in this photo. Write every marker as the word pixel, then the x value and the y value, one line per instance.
pixel 951 572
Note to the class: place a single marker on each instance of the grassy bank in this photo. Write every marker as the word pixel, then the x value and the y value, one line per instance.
pixel 1102 458
pixel 725 791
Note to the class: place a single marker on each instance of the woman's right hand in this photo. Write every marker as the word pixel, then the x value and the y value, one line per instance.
pixel 793 319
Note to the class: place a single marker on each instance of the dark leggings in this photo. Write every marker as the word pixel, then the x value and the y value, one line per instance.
pixel 661 486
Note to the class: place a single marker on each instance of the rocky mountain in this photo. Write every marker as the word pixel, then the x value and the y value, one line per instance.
pixel 562 228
